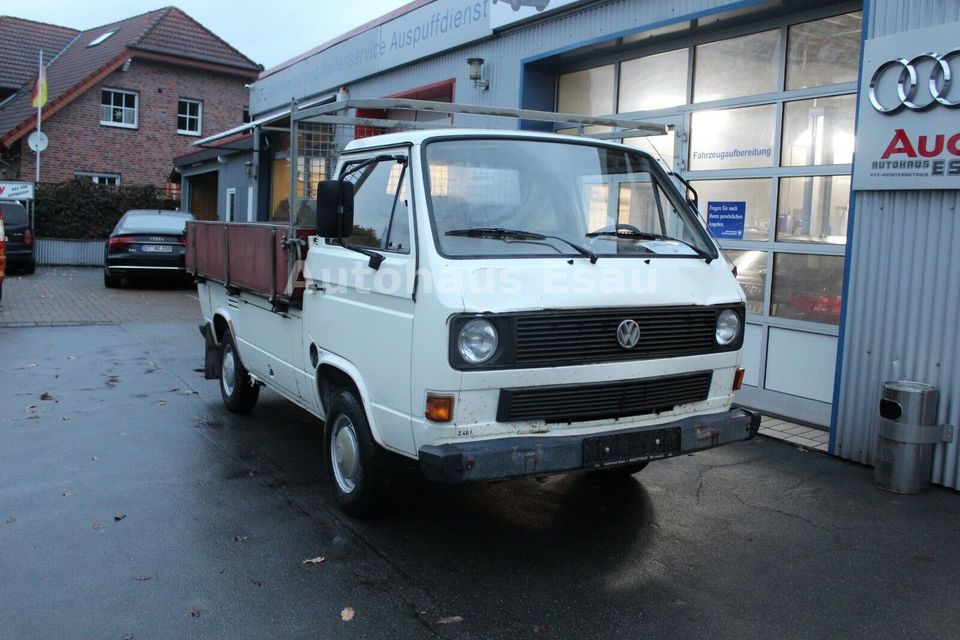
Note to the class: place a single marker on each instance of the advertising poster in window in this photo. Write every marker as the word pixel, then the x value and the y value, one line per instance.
pixel 907 134
pixel 726 219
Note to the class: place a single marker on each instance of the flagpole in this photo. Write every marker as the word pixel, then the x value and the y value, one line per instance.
pixel 39 118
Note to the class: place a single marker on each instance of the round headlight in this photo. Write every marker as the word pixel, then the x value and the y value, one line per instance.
pixel 728 327
pixel 477 341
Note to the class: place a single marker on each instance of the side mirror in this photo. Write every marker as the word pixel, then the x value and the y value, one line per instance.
pixel 334 209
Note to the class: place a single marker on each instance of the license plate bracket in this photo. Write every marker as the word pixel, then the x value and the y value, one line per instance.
pixel 620 448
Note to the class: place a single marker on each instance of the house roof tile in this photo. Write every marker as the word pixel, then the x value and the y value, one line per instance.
pixel 20 44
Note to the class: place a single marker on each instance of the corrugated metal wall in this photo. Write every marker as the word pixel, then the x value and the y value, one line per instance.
pixel 85 253
pixel 903 300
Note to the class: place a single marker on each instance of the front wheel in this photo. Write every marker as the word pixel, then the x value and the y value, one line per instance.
pixel 238 390
pixel 355 464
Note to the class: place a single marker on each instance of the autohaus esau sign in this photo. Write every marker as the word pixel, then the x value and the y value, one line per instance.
pixel 908 131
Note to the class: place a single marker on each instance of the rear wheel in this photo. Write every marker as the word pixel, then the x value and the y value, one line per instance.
pixel 109 281
pixel 355 464
pixel 30 268
pixel 238 390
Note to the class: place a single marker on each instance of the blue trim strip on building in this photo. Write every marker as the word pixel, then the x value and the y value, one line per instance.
pixel 841 338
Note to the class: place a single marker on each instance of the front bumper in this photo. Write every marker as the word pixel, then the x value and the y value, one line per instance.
pixel 540 455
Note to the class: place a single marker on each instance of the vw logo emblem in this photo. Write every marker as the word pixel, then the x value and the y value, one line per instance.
pixel 628 334
pixel 909 92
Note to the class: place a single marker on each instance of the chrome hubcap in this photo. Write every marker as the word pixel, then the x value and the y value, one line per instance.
pixel 228 372
pixel 345 454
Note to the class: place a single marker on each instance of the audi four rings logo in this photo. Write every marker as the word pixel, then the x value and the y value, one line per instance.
pixel 628 334
pixel 913 92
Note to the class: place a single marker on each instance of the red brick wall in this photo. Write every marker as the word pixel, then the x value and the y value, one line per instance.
pixel 141 156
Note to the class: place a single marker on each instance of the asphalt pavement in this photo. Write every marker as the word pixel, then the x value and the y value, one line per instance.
pixel 133 505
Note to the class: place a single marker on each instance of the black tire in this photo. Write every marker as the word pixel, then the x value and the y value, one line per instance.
pixel 30 268
pixel 625 470
pixel 238 390
pixel 358 481
pixel 111 282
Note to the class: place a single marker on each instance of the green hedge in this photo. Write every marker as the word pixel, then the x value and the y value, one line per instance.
pixel 87 211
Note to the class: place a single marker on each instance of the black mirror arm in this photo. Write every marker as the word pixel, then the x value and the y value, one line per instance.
pixel 695 201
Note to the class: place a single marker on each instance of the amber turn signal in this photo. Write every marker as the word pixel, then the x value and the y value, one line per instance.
pixel 738 378
pixel 439 408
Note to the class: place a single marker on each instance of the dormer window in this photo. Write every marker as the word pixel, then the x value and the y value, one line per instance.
pixel 100 38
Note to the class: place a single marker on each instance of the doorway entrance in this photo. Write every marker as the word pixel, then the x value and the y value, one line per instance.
pixel 203 195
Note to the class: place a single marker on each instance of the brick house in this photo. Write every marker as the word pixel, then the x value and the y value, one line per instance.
pixel 124 98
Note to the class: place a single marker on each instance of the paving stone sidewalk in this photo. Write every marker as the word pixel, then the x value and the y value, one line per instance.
pixel 57 296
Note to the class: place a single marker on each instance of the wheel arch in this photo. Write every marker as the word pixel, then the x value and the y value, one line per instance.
pixel 335 373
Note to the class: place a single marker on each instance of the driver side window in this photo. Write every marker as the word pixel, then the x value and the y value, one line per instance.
pixel 381 215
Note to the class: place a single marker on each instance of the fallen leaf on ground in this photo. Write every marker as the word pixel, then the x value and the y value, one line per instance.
pixel 67 493
pixel 64 418
pixel 161 402
pixel 140 578
pixel 11 520
pixel 46 396
pixel 257 583
pixel 347 614
pixel 120 517
pixel 450 620
pixel 31 408
pixel 240 538
pixel 317 560
pixel 32 365
pixel 97 525
pixel 194 612
pixel 71 357
pixel 93 458
pixel 539 628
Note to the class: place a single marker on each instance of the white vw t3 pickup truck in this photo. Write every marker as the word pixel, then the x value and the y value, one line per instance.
pixel 492 304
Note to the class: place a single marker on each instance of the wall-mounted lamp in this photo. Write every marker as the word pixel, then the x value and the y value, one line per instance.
pixel 476 73
pixel 249 167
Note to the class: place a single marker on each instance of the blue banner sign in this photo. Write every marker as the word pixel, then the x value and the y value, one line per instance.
pixel 726 219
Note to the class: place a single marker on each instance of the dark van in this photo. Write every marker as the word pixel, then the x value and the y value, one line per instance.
pixel 20 246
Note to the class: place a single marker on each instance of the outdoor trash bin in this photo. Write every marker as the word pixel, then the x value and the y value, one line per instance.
pixel 907 432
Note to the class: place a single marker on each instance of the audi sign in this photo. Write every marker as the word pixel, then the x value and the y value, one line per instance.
pixel 907 130
pixel 910 87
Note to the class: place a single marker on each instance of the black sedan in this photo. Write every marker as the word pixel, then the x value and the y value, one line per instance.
pixel 145 242
pixel 20 249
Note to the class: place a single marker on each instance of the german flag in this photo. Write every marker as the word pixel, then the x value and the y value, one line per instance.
pixel 40 88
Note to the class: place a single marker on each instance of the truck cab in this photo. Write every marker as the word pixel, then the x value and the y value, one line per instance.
pixel 491 304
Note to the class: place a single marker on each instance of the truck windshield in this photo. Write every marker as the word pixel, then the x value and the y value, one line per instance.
pixel 525 197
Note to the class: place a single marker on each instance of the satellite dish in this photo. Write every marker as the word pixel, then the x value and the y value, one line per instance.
pixel 37 141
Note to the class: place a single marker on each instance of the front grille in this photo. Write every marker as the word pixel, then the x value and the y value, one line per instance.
pixel 573 403
pixel 584 337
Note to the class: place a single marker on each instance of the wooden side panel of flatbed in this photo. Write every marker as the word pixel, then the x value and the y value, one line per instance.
pixel 249 257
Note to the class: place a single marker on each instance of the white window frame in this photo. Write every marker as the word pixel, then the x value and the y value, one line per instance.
pixel 136 109
pixel 230 214
pixel 199 117
pixel 99 178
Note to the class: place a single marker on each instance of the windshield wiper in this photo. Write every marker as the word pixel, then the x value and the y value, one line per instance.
pixel 517 234
pixel 636 234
